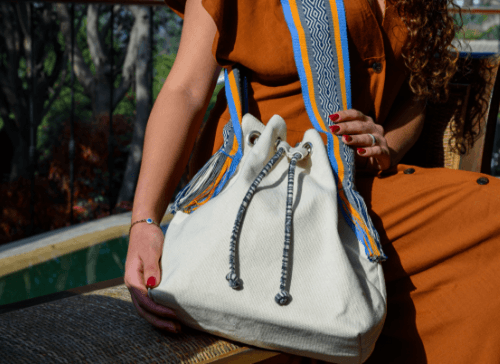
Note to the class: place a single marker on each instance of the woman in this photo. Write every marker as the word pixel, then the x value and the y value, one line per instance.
pixel 439 228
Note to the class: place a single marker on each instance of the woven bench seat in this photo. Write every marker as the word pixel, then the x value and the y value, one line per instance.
pixel 103 327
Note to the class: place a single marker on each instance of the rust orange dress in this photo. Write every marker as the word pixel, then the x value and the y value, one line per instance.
pixel 440 229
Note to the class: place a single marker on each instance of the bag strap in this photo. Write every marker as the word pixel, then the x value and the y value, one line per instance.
pixel 319 36
pixel 244 88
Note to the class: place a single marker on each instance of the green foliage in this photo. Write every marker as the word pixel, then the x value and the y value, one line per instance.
pixel 53 132
pixel 50 59
pixel 162 65
pixel 168 30
pixel 60 110
pixel 212 101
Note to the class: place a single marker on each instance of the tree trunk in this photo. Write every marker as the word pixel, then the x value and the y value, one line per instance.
pixel 16 43
pixel 21 158
pixel 97 86
pixel 135 58
pixel 143 94
pixel 102 79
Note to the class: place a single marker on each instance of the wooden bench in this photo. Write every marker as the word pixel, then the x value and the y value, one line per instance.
pixel 98 323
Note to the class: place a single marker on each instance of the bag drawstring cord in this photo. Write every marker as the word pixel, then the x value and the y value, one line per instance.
pixel 283 297
pixel 232 277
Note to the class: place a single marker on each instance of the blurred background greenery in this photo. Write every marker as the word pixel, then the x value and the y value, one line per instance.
pixel 130 53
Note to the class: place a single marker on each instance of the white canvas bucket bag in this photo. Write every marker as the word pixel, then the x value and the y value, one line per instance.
pixel 271 245
pixel 270 262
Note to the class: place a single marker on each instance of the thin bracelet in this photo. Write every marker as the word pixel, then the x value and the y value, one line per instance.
pixel 149 221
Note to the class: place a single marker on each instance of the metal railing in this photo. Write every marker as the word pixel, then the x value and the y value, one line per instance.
pixel 478 10
pixel 72 144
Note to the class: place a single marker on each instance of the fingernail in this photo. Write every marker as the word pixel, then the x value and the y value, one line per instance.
pixel 361 151
pixel 334 117
pixel 334 128
pixel 151 282
pixel 347 138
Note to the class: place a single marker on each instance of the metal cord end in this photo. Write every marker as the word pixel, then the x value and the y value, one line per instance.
pixel 283 298
pixel 234 280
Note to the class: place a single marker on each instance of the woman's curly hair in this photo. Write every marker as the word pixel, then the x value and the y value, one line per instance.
pixel 433 61
pixel 429 54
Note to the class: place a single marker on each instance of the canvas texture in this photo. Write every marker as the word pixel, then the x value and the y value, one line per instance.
pixel 338 297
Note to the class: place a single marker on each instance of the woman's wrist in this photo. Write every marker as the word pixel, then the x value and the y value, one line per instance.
pixel 148 221
pixel 148 205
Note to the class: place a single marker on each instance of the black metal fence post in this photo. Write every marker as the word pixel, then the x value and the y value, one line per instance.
pixel 72 117
pixel 110 139
pixel 32 121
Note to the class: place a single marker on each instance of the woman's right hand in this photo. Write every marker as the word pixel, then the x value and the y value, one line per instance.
pixel 142 270
pixel 170 135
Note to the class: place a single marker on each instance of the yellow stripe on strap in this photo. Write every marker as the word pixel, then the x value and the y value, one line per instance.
pixel 358 221
pixel 340 55
pixel 236 95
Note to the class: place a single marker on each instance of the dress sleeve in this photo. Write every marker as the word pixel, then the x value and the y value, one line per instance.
pixel 225 15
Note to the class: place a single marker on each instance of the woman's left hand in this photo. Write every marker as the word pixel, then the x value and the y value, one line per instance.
pixel 360 132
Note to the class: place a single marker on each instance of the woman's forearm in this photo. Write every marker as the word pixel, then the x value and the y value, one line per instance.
pixel 170 134
pixel 404 124
pixel 177 115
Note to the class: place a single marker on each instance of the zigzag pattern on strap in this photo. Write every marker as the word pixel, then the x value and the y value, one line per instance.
pixel 324 75
pixel 319 37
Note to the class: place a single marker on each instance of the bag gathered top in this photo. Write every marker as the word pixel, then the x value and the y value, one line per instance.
pixel 271 245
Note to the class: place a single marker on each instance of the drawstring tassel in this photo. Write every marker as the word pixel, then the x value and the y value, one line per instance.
pixel 203 181
pixel 283 297
pixel 206 183
pixel 232 277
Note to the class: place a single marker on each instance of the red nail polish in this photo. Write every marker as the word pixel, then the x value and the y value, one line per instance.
pixel 347 138
pixel 151 282
pixel 361 151
pixel 334 128
pixel 334 117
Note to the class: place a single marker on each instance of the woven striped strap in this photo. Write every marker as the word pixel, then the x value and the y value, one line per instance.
pixel 319 35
